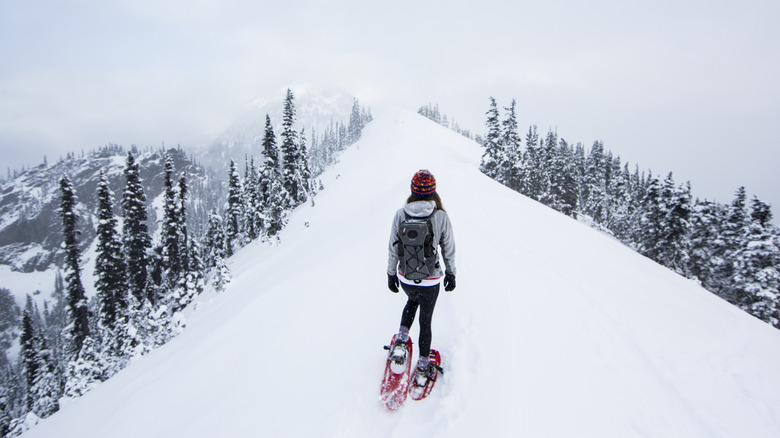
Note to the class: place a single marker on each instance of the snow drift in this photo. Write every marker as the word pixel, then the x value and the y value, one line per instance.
pixel 554 329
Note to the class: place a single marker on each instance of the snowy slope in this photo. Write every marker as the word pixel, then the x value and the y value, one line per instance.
pixel 554 330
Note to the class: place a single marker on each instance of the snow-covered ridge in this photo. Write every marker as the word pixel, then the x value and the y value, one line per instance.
pixel 554 329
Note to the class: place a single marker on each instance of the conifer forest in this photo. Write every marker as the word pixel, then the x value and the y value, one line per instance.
pixel 730 249
pixel 144 279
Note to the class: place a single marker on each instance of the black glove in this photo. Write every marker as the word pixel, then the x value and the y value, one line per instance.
pixel 449 282
pixel 392 283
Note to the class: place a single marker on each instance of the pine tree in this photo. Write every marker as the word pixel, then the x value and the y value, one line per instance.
pixel 86 370
pixel 222 274
pixel 733 232
pixel 594 186
pixel 303 167
pixel 275 213
pixel 234 212
pixel 170 240
pixel 757 276
pixel 546 162
pixel 533 181
pixel 184 236
pixel 110 269
pixel 619 201
pixel 215 240
pixel 509 168
pixel 29 351
pixel 564 185
pixel 270 149
pixel 78 328
pixel 492 159
pixel 356 123
pixel 674 247
pixel 5 405
pixel 650 224
pixel 292 158
pixel 706 243
pixel 270 170
pixel 195 272
pixel 46 389
pixel 253 219
pixel 136 241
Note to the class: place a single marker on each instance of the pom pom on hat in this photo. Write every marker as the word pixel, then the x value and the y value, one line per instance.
pixel 423 184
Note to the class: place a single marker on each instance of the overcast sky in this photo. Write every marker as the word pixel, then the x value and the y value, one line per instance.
pixel 686 86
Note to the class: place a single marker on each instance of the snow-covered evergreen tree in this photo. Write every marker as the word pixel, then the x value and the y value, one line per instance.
pixel 253 218
pixel 292 157
pixel 757 274
pixel 733 233
pixel 493 157
pixel 195 279
pixel 46 385
pixel 619 201
pixel 136 241
pixel 5 417
pixel 222 274
pixel 184 236
pixel 674 247
pixel 110 269
pixel 234 237
pixel 270 149
pixel 706 243
pixel 548 155
pixel 78 314
pixel 28 352
pixel 170 231
pixel 564 185
pixel 275 213
pixel 270 170
pixel 356 123
pixel 533 178
pixel 215 241
pixel 303 167
pixel 86 370
pixel 593 193
pixel 112 291
pixel 648 233
pixel 509 167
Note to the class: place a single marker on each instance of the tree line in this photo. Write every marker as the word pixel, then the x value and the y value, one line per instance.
pixel 143 287
pixel 730 249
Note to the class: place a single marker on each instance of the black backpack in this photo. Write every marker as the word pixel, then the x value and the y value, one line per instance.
pixel 416 251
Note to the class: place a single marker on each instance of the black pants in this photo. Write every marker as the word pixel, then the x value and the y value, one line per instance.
pixel 423 297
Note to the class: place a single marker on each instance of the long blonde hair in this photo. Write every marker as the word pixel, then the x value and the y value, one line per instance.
pixel 435 197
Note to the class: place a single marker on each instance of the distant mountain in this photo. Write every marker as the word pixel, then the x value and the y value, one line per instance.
pixel 316 111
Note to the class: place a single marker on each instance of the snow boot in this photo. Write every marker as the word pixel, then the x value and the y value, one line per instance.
pixel 399 352
pixel 425 371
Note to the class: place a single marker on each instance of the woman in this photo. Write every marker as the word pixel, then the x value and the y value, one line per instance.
pixel 423 203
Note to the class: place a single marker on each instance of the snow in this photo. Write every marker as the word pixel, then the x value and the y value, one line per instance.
pixel 38 284
pixel 554 329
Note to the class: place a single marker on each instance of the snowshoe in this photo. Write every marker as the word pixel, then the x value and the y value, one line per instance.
pixel 395 382
pixel 422 381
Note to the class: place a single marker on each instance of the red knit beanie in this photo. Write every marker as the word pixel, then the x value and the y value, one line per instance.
pixel 423 184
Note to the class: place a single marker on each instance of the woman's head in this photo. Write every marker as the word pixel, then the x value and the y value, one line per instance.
pixel 423 184
pixel 424 189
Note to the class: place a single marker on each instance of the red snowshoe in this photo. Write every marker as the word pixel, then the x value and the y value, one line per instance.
pixel 422 383
pixel 395 383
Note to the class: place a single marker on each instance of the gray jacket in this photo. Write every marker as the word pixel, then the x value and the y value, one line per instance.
pixel 442 233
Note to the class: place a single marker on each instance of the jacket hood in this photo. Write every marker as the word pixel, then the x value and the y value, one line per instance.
pixel 420 208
